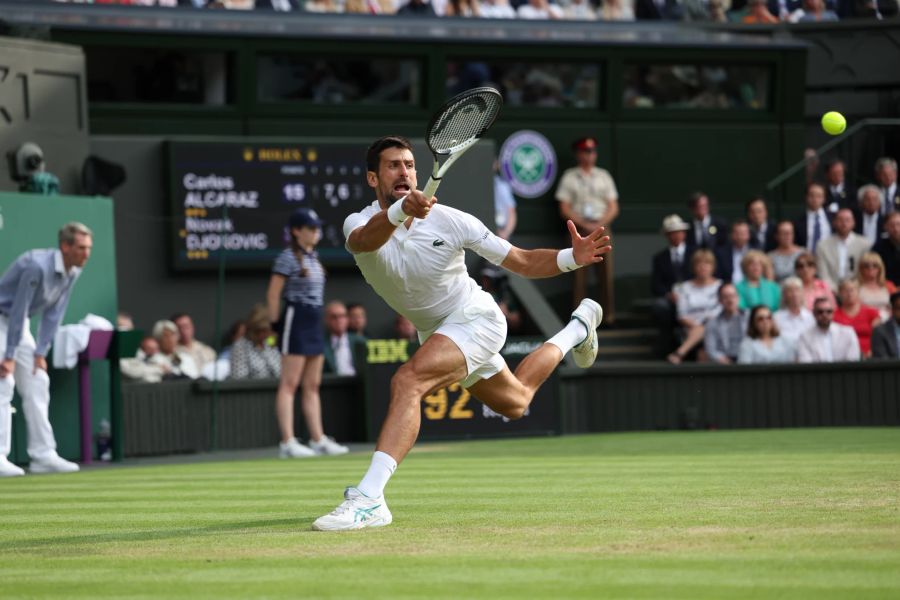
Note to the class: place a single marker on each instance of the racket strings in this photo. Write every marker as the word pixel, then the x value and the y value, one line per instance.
pixel 462 121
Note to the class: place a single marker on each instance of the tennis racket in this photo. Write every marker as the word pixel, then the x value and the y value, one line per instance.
pixel 457 126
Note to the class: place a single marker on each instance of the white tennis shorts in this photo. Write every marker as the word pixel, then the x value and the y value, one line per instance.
pixel 479 330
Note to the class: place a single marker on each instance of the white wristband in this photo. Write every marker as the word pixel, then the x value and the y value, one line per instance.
pixel 565 260
pixel 395 213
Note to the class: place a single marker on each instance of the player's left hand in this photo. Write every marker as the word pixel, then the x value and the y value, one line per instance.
pixel 40 362
pixel 590 248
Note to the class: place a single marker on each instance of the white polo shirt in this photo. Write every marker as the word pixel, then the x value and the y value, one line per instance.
pixel 421 271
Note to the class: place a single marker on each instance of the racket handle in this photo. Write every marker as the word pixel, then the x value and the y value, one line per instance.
pixel 431 187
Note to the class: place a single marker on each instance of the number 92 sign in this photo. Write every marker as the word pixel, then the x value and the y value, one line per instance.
pixel 453 412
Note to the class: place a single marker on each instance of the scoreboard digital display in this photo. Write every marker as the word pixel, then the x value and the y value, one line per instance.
pixel 237 196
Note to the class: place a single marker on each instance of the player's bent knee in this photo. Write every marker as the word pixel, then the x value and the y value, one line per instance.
pixel 513 413
pixel 404 383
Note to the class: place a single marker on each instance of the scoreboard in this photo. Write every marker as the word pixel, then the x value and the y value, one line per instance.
pixel 237 196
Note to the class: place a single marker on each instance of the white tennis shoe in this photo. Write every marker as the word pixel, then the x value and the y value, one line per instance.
pixel 52 464
pixel 328 447
pixel 7 469
pixel 294 449
pixel 357 511
pixel 590 314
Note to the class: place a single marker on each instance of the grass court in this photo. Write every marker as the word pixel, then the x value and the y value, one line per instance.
pixel 742 514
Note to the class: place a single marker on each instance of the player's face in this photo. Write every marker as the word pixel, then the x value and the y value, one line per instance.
pixel 396 176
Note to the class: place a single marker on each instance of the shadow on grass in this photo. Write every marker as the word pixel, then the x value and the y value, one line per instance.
pixel 296 525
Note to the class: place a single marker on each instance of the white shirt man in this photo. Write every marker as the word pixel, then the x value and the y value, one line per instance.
pixel 838 256
pixel 343 355
pixel 827 341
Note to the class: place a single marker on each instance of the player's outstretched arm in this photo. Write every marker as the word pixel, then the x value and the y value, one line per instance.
pixel 535 264
pixel 378 230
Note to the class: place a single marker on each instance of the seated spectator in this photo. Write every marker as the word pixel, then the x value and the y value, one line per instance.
pixel 539 9
pixel 462 8
pixel 857 315
pixel 124 322
pixel 321 6
pixel 418 8
pixel 616 10
pixel 888 248
pixel 874 289
pixel 868 218
pixel 758 14
pixel 670 267
pixel 813 11
pixel 886 178
pixel 813 287
pixel 763 343
pixel 579 10
pixel 762 230
pixel 357 320
pixel 785 254
pixel 495 282
pixel 201 353
pixel 827 341
pixel 730 256
pixel 697 303
pixel 405 330
pixel 886 337
pixel 143 367
pixel 177 364
pixel 793 318
pixel 656 10
pixel 837 256
pixel 755 288
pixel 339 342
pixel 724 334
pixel 497 9
pixel 252 356
pixel 370 7
pixel 236 331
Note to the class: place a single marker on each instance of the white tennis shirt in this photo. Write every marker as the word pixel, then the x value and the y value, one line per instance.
pixel 421 271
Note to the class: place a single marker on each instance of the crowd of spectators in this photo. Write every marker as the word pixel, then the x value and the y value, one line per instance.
pixel 815 288
pixel 741 11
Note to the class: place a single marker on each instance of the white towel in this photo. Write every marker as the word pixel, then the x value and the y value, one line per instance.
pixel 69 341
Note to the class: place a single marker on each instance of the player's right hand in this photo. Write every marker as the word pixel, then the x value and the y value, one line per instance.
pixel 416 204
pixel 7 367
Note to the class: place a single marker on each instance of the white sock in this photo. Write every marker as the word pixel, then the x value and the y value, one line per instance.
pixel 570 336
pixel 381 469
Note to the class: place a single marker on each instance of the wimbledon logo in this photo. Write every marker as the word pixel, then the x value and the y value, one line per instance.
pixel 528 163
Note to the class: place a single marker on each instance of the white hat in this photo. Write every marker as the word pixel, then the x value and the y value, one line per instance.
pixel 674 223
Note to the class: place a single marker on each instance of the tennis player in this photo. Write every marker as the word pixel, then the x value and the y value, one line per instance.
pixel 411 251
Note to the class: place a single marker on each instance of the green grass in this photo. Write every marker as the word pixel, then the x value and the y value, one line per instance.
pixel 748 514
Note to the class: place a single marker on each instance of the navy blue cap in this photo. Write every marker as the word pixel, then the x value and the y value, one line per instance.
pixel 304 217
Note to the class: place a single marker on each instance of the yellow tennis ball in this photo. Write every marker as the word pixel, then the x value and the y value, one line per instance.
pixel 834 123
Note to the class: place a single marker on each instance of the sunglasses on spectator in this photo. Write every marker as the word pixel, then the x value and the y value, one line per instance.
pixel 805 264
pixel 824 311
pixel 868 265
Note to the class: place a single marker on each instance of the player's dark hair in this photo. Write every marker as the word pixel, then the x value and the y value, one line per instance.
pixel 373 154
